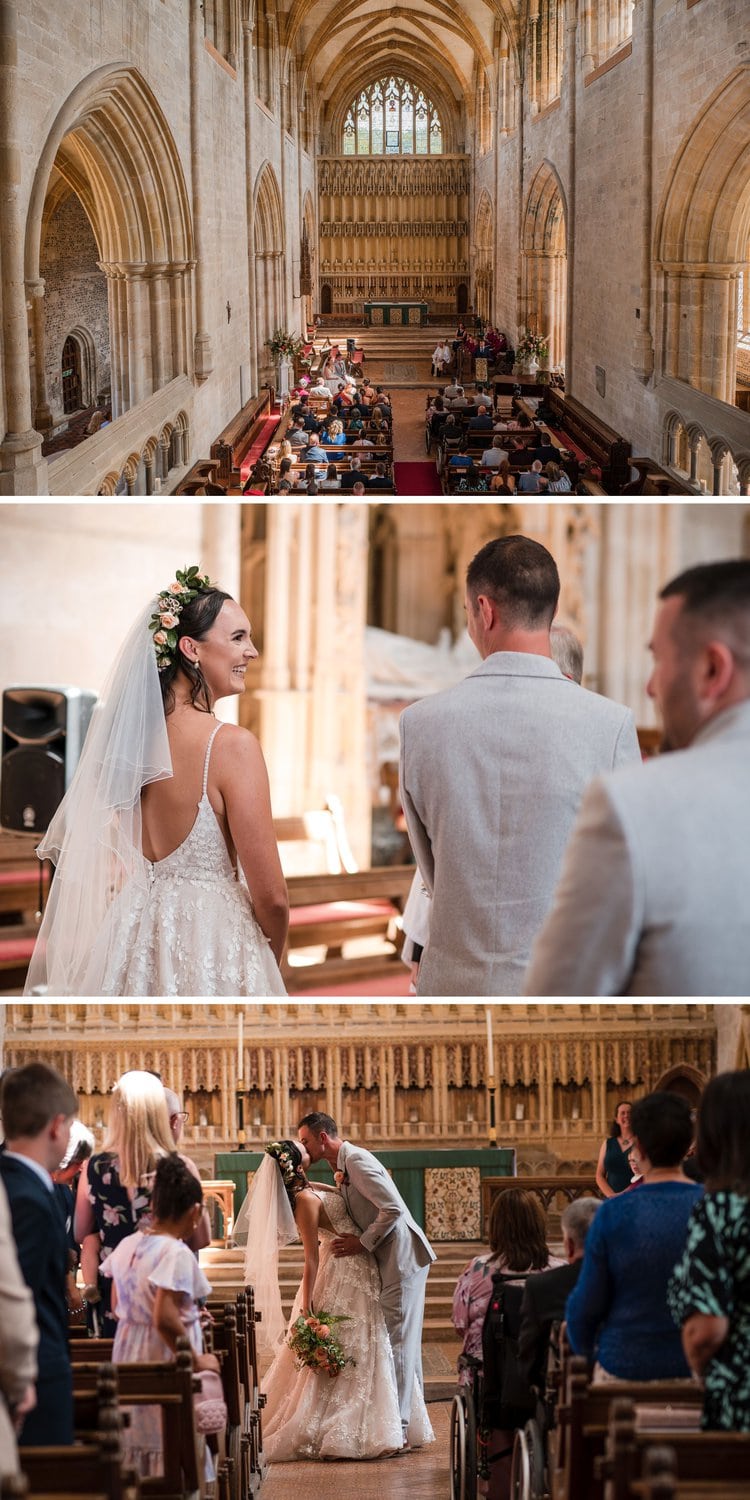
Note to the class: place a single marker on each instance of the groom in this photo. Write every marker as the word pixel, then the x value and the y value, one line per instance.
pixel 390 1233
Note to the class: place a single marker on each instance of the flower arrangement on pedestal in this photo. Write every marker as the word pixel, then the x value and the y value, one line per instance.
pixel 532 348
pixel 284 345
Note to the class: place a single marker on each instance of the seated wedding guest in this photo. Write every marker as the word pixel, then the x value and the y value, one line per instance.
pixel 19 1338
pixel 285 469
pixel 557 480
pixel 38 1106
pixel 462 459
pixel 331 481
pixel 319 387
pixel 285 450
pixel 493 457
pixel 502 481
pixel 452 390
pixel 482 422
pixel 518 1245
pixel 545 1295
pixel 359 487
pixel 545 451
pixel 530 481
pixel 709 1294
pixel 335 433
pixel 353 475
pixel 355 424
pixel 613 1172
pixel 284 487
pixel 343 398
pixel 665 911
pixel 298 434
pixel 381 479
pixel 362 441
pixel 157 1287
pixel 313 451
pixel 617 1314
pixel 460 402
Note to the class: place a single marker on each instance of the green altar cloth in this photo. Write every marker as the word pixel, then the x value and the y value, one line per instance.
pixel 408 1169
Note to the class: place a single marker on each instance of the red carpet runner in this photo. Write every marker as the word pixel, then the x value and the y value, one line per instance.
pixel 416 479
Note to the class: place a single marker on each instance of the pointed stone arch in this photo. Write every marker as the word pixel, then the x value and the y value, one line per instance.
pixel 270 264
pixel 484 256
pixel 545 259
pixel 110 145
pixel 702 241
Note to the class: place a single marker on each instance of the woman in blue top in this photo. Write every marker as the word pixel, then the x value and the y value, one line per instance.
pixel 613 1172
pixel 617 1314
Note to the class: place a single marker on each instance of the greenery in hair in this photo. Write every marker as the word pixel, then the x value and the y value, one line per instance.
pixel 170 603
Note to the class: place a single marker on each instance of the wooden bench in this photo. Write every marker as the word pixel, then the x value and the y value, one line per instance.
pixel 237 438
pixel 609 448
pixel 662 1481
pixel 696 1456
pixel 583 1422
pixel 170 1386
pixel 329 910
pixel 91 1469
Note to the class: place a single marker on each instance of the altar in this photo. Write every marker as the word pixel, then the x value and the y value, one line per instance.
pixel 442 1188
pixel 396 314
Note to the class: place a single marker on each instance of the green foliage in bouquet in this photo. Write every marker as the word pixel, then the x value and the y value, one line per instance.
pixel 532 346
pixel 314 1346
pixel 286 344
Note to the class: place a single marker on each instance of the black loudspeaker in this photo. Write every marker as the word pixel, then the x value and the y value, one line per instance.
pixel 43 729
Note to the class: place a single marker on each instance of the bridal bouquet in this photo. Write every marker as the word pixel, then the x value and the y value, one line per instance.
pixel 315 1346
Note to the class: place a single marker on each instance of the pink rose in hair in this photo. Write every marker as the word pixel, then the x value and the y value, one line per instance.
pixel 168 620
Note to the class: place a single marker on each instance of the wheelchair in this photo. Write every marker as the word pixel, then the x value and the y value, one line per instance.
pixel 497 1398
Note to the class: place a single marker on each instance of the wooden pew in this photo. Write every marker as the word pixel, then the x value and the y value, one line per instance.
pixel 328 910
pixel 696 1456
pixel 609 448
pixel 583 1420
pixel 661 1480
pixel 90 1469
pixel 232 444
pixel 170 1385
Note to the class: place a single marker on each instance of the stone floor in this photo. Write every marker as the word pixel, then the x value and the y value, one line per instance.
pixel 421 1475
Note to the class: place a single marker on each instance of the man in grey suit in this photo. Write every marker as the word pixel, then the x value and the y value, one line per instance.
pixel 492 775
pixel 653 898
pixel 388 1230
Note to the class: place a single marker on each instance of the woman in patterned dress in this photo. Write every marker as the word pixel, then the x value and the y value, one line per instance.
pixel 709 1294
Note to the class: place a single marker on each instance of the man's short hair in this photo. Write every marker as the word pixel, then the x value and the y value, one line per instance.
pixel 31 1097
pixel 318 1121
pixel 663 1126
pixel 567 652
pixel 577 1218
pixel 717 596
pixel 521 576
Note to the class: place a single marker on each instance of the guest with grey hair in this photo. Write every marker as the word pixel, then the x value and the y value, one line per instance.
pixel 177 1119
pixel 545 1295
pixel 567 651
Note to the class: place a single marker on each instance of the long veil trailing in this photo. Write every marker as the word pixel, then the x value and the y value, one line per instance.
pixel 265 1223
pixel 94 838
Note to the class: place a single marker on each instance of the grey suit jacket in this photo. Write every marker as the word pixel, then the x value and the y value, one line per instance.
pixel 654 897
pixel 492 775
pixel 377 1208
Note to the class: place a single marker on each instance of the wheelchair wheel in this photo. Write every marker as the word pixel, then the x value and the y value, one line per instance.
pixel 463 1447
pixel 527 1470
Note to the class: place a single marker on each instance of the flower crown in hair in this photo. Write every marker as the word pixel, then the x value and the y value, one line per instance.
pixel 169 606
pixel 284 1158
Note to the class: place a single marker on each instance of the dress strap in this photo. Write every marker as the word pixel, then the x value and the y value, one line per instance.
pixel 208 757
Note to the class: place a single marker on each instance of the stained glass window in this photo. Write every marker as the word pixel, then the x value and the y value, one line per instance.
pixel 391 117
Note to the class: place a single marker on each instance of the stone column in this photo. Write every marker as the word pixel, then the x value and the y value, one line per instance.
pixel 23 471
pixel 203 356
pixel 138 333
pixel 571 24
pixel 642 354
pixel 148 465
pixel 42 413
pixel 162 367
pixel 249 105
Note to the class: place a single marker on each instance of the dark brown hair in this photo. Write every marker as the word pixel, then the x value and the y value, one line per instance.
pixel 723 1146
pixel 518 1230
pixel 195 621
pixel 31 1097
pixel 521 576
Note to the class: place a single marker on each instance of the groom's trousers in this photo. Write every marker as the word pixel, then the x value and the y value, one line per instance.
pixel 403 1308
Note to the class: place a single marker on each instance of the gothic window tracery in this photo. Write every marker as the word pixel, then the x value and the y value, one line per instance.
pixel 392 117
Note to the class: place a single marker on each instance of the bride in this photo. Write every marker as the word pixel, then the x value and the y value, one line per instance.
pixel 167 816
pixel 308 1414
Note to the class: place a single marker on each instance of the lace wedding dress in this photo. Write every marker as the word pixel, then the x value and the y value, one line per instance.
pixel 192 929
pixel 354 1415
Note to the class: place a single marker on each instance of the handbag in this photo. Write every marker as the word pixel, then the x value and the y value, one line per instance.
pixel 209 1406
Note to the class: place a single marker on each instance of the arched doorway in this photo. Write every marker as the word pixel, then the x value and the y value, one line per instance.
pixel 462 298
pixel 326 299
pixel 684 1080
pixel 702 247
pixel 111 170
pixel 72 384
pixel 544 267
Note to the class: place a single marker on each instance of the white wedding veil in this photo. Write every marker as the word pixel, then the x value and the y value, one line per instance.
pixel 265 1223
pixel 94 838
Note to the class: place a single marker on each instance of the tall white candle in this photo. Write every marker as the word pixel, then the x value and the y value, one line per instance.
pixel 240 1047
pixel 490 1051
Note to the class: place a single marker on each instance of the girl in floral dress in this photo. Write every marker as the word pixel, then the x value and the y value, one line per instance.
pixel 157 1287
